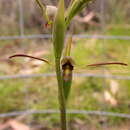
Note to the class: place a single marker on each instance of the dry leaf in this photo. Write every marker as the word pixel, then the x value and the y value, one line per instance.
pixel 14 124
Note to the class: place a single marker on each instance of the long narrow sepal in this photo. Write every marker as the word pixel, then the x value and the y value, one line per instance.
pixel 28 56
pixel 68 46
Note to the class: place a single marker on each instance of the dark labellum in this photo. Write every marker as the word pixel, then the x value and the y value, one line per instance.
pixel 67 68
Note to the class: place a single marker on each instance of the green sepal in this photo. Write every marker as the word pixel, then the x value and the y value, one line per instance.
pixel 59 30
pixel 68 46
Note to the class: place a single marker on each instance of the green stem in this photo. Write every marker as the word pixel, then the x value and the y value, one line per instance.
pixel 43 8
pixel 61 96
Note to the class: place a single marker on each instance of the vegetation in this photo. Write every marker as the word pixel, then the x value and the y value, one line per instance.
pixel 86 90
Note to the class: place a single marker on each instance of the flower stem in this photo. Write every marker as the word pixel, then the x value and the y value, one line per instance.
pixel 61 96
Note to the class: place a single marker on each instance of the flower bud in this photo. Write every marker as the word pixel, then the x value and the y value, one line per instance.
pixel 51 11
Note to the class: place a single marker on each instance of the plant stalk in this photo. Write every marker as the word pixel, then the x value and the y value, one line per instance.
pixel 61 96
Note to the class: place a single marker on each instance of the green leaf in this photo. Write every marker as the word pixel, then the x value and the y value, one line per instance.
pixel 59 30
pixel 67 68
pixel 75 8
pixel 67 88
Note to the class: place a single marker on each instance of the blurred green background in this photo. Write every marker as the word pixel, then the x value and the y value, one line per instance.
pixel 110 17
